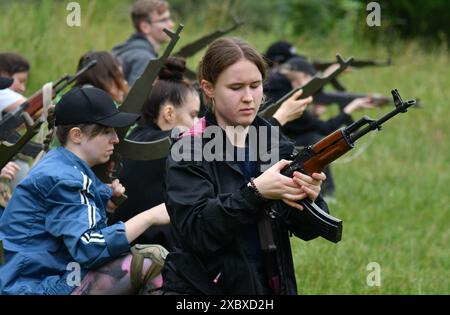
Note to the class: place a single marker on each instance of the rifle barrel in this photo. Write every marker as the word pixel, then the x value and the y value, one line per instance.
pixel 69 79
pixel 400 107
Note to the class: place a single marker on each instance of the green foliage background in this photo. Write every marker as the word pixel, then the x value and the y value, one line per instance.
pixel 393 197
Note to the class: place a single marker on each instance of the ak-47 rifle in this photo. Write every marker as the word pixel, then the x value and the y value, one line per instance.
pixel 192 48
pixel 11 142
pixel 356 63
pixel 309 89
pixel 314 158
pixel 9 150
pixel 344 98
pixel 133 103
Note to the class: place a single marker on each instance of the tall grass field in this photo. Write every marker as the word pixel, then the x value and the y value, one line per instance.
pixel 393 189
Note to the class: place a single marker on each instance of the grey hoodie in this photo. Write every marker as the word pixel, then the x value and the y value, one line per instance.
pixel 134 53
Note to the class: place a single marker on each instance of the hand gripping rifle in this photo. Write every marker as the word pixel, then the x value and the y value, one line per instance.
pixel 11 142
pixel 133 103
pixel 309 89
pixel 314 158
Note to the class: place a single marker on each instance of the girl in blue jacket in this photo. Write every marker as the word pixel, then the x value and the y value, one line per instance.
pixel 54 229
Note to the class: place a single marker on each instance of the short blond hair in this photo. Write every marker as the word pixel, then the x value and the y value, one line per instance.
pixel 142 9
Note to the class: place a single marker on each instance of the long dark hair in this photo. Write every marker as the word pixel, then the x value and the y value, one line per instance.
pixel 106 72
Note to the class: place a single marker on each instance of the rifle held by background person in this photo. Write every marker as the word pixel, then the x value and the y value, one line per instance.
pixel 344 98
pixel 356 63
pixel 309 89
pixel 35 102
pixel 12 142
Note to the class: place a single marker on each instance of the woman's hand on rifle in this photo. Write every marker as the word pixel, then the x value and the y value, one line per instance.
pixel 310 184
pixel 292 108
pixel 118 191
pixel 273 185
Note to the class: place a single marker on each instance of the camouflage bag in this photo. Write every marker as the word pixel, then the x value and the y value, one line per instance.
pixel 151 283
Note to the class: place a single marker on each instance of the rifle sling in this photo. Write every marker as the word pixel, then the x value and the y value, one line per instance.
pixel 269 250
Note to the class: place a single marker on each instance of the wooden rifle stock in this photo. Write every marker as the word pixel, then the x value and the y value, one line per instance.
pixel 35 102
pixel 314 158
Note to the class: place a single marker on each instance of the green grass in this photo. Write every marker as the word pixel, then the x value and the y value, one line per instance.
pixel 393 198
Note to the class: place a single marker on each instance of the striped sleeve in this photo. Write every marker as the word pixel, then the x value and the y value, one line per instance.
pixel 74 216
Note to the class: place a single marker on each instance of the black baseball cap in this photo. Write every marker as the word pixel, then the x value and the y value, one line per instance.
pixel 90 105
pixel 5 82
pixel 280 52
pixel 300 64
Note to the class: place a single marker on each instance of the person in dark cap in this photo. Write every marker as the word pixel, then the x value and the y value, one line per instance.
pixel 280 52
pixel 54 230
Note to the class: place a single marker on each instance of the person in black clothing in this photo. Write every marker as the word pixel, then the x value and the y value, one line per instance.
pixel 217 199
pixel 309 128
pixel 172 103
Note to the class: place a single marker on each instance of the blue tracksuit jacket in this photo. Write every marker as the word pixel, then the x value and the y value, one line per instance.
pixel 55 218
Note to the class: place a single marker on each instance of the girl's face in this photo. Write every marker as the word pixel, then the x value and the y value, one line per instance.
pixel 98 150
pixel 237 94
pixel 186 115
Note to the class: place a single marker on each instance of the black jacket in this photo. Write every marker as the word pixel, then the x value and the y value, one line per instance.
pixel 143 181
pixel 211 207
